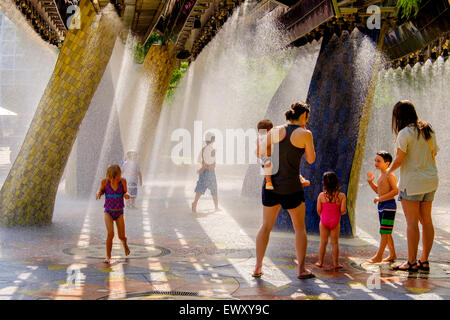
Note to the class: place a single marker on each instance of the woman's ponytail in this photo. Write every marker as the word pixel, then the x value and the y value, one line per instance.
pixel 296 110
pixel 425 129
pixel 289 114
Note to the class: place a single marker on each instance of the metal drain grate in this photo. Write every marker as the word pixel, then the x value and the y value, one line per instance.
pixel 138 251
pixel 155 292
pixel 173 293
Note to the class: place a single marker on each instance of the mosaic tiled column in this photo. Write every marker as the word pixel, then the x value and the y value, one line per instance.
pixel 157 69
pixel 341 97
pixel 28 194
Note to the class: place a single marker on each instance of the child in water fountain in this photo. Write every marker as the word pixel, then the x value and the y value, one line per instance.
pixel 207 175
pixel 114 187
pixel 386 188
pixel 264 153
pixel 132 173
pixel 331 204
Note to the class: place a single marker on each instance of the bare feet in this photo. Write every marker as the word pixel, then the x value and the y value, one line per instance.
pixel 374 259
pixel 390 259
pixel 126 249
pixel 194 207
pixel 319 264
pixel 107 261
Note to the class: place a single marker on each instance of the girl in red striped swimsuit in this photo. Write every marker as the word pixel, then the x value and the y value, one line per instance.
pixel 114 187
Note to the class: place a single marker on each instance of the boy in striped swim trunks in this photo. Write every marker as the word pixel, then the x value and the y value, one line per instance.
pixel 387 189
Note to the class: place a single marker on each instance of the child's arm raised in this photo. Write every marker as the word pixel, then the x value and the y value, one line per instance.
pixel 101 191
pixel 319 203
pixel 343 200
pixel 370 178
pixel 394 189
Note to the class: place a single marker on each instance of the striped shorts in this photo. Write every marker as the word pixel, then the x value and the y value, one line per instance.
pixel 386 213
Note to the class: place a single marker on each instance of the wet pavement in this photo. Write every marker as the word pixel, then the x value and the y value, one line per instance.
pixel 176 254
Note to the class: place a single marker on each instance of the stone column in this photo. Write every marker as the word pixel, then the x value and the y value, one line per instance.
pixel 341 96
pixel 28 194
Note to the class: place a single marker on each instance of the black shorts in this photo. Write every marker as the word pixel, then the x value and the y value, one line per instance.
pixel 287 201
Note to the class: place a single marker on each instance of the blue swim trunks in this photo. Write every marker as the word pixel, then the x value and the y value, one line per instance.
pixel 386 213
pixel 207 180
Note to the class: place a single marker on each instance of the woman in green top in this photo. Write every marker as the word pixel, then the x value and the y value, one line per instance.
pixel 415 156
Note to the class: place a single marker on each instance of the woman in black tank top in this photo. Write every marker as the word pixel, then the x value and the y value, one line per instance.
pixel 289 143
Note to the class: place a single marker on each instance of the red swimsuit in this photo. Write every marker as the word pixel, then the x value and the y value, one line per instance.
pixel 114 200
pixel 331 214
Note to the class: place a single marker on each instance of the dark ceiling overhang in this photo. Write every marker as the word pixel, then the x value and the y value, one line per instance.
pixel 305 20
pixel 432 22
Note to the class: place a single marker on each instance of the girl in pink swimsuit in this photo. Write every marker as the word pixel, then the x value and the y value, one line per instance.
pixel 331 204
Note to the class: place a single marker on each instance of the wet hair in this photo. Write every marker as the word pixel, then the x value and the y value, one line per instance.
pixel 113 171
pixel 296 110
pixel 387 157
pixel 265 124
pixel 330 184
pixel 404 114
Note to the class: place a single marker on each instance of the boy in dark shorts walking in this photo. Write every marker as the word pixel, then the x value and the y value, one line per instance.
pixel 387 189
pixel 207 175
